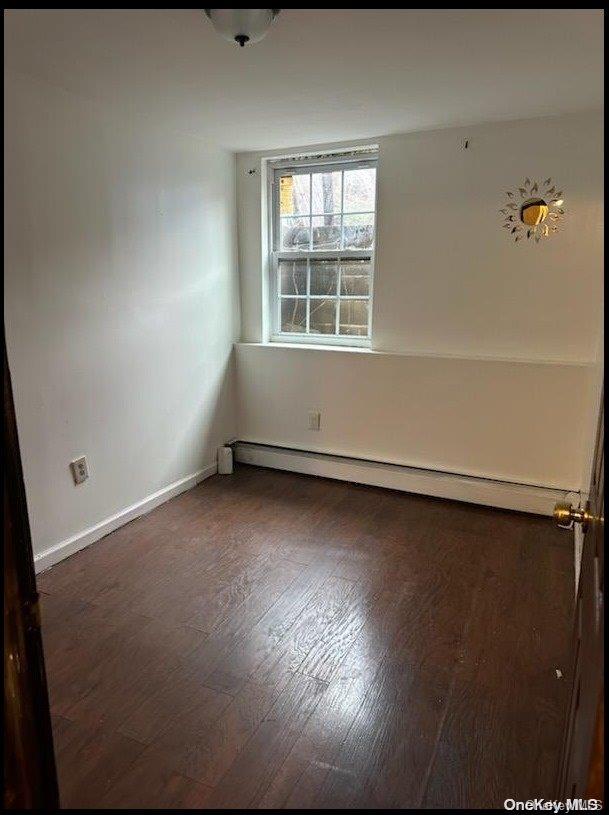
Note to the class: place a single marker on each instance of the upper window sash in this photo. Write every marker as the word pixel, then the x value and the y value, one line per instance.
pixel 333 164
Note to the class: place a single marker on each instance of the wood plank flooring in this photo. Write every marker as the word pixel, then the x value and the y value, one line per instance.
pixel 270 640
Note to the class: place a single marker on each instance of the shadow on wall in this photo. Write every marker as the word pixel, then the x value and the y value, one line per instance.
pixel 211 420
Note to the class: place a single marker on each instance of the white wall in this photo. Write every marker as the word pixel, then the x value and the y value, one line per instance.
pixel 486 418
pixel 121 304
pixel 485 350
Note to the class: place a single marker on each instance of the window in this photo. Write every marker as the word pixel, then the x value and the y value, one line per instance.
pixel 323 234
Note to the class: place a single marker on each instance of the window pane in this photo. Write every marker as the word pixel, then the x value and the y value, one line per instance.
pixel 360 190
pixel 294 194
pixel 354 317
pixel 326 232
pixel 355 278
pixel 295 234
pixel 323 317
pixel 358 231
pixel 293 276
pixel 326 192
pixel 294 315
pixel 323 277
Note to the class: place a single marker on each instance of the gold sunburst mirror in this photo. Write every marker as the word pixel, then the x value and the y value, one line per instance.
pixel 533 210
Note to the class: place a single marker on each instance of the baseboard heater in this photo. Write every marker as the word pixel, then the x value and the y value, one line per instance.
pixel 538 500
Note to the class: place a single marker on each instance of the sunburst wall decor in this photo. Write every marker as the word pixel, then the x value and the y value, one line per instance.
pixel 533 210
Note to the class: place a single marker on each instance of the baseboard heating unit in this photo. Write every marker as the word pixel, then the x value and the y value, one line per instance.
pixel 489 492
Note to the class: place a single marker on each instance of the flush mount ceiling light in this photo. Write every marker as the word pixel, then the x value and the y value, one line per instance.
pixel 242 25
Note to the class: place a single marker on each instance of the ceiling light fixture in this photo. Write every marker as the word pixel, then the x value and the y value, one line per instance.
pixel 242 25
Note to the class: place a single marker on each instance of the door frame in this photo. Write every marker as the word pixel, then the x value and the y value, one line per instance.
pixel 30 778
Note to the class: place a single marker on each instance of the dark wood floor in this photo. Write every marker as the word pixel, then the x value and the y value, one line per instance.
pixel 270 640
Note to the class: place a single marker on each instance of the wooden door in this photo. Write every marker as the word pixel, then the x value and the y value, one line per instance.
pixel 581 774
pixel 29 764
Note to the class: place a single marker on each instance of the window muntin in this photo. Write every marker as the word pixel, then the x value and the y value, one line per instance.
pixel 329 296
pixel 323 234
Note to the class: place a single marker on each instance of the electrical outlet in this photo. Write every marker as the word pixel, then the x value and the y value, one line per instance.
pixel 314 420
pixel 80 470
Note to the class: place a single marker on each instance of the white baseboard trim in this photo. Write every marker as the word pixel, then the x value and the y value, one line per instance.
pixel 68 547
pixel 501 494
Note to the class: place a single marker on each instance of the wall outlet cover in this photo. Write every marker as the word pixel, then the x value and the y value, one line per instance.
pixel 80 470
pixel 314 420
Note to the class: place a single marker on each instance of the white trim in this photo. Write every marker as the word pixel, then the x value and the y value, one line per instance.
pixel 475 490
pixel 278 341
pixel 277 170
pixel 302 163
pixel 572 363
pixel 579 500
pixel 578 549
pixel 60 551
pixel 350 341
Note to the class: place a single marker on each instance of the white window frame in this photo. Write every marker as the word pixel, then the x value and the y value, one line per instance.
pixel 305 166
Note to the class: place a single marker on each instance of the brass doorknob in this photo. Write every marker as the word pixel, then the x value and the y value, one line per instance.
pixel 566 515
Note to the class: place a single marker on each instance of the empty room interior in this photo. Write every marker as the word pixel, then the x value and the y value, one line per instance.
pixel 303 402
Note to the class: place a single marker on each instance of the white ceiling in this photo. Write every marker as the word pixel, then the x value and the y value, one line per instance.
pixel 320 74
